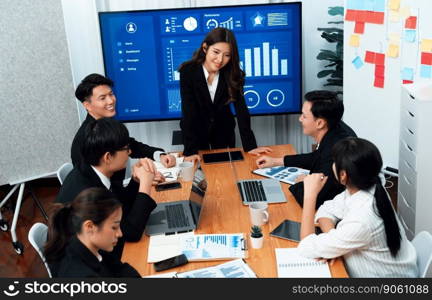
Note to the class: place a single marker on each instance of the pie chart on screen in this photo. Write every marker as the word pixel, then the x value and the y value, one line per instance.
pixel 190 23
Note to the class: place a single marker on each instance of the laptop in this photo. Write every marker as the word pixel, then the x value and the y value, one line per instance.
pixel 179 216
pixel 258 190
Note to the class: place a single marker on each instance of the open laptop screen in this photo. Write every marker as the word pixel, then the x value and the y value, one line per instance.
pixel 199 187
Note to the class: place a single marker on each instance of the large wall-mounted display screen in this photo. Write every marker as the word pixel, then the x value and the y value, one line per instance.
pixel 143 49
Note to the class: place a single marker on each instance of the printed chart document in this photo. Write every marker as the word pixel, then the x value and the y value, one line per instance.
pixel 283 174
pixel 232 269
pixel 213 246
pixel 197 247
pixel 290 264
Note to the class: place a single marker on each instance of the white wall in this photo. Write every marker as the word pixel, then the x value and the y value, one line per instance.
pixel 84 43
pixel 372 112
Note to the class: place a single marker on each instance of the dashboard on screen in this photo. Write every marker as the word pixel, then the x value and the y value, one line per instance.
pixel 142 51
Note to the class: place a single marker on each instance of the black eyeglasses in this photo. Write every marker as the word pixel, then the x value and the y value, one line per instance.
pixel 125 148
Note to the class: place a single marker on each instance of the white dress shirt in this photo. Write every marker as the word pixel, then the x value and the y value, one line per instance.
pixel 105 180
pixel 213 86
pixel 360 238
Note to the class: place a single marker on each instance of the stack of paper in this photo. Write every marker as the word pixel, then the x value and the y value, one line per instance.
pixel 290 264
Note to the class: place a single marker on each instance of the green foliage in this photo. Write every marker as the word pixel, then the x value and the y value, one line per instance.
pixel 256 232
pixel 334 69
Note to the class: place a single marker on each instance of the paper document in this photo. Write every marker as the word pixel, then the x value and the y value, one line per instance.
pixel 290 264
pixel 163 275
pixel 283 174
pixel 170 174
pixel 232 269
pixel 165 246
pixel 197 247
pixel 213 246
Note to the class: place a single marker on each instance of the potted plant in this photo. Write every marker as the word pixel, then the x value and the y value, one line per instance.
pixel 333 35
pixel 256 237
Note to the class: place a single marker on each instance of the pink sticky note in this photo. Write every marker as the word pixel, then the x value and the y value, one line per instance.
pixel 375 17
pixel 379 59
pixel 379 82
pixel 359 27
pixel 362 16
pixel 379 71
pixel 370 57
pixel 351 15
pixel 411 22
pixel 426 58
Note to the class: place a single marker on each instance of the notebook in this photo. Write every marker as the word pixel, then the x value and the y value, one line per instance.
pixel 283 174
pixel 179 216
pixel 258 190
pixel 290 264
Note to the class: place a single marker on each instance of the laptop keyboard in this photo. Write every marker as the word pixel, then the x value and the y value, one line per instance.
pixel 253 191
pixel 176 216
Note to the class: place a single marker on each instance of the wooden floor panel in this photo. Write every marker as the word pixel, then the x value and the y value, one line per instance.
pixel 28 264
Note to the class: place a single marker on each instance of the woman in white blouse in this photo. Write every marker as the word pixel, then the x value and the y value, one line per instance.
pixel 359 223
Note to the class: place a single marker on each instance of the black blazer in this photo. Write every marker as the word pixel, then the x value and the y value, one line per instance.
pixel 136 206
pixel 79 261
pixel 138 150
pixel 320 161
pixel 206 124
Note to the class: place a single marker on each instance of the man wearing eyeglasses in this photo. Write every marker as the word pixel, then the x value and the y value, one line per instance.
pixel 105 151
pixel 95 93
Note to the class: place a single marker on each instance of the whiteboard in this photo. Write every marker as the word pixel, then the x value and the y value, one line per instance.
pixel 38 114
pixel 373 112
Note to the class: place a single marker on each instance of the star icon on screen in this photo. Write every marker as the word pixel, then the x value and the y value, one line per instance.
pixel 257 20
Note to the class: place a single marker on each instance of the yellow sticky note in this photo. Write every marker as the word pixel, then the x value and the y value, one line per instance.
pixel 426 45
pixel 394 4
pixel 394 38
pixel 394 16
pixel 405 12
pixel 354 40
pixel 393 50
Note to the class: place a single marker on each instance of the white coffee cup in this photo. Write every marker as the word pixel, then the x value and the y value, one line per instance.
pixel 259 213
pixel 186 170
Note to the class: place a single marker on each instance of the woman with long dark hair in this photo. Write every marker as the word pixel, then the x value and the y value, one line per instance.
pixel 209 83
pixel 81 235
pixel 359 223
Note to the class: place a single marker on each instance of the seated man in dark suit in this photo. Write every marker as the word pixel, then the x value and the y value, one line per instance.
pixel 321 119
pixel 95 93
pixel 105 150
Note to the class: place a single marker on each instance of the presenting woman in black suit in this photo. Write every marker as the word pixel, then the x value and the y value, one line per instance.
pixel 209 83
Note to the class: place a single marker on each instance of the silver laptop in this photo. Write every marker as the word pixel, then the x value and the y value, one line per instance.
pixel 258 190
pixel 179 216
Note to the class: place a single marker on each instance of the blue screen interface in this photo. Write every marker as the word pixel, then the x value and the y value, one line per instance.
pixel 143 49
